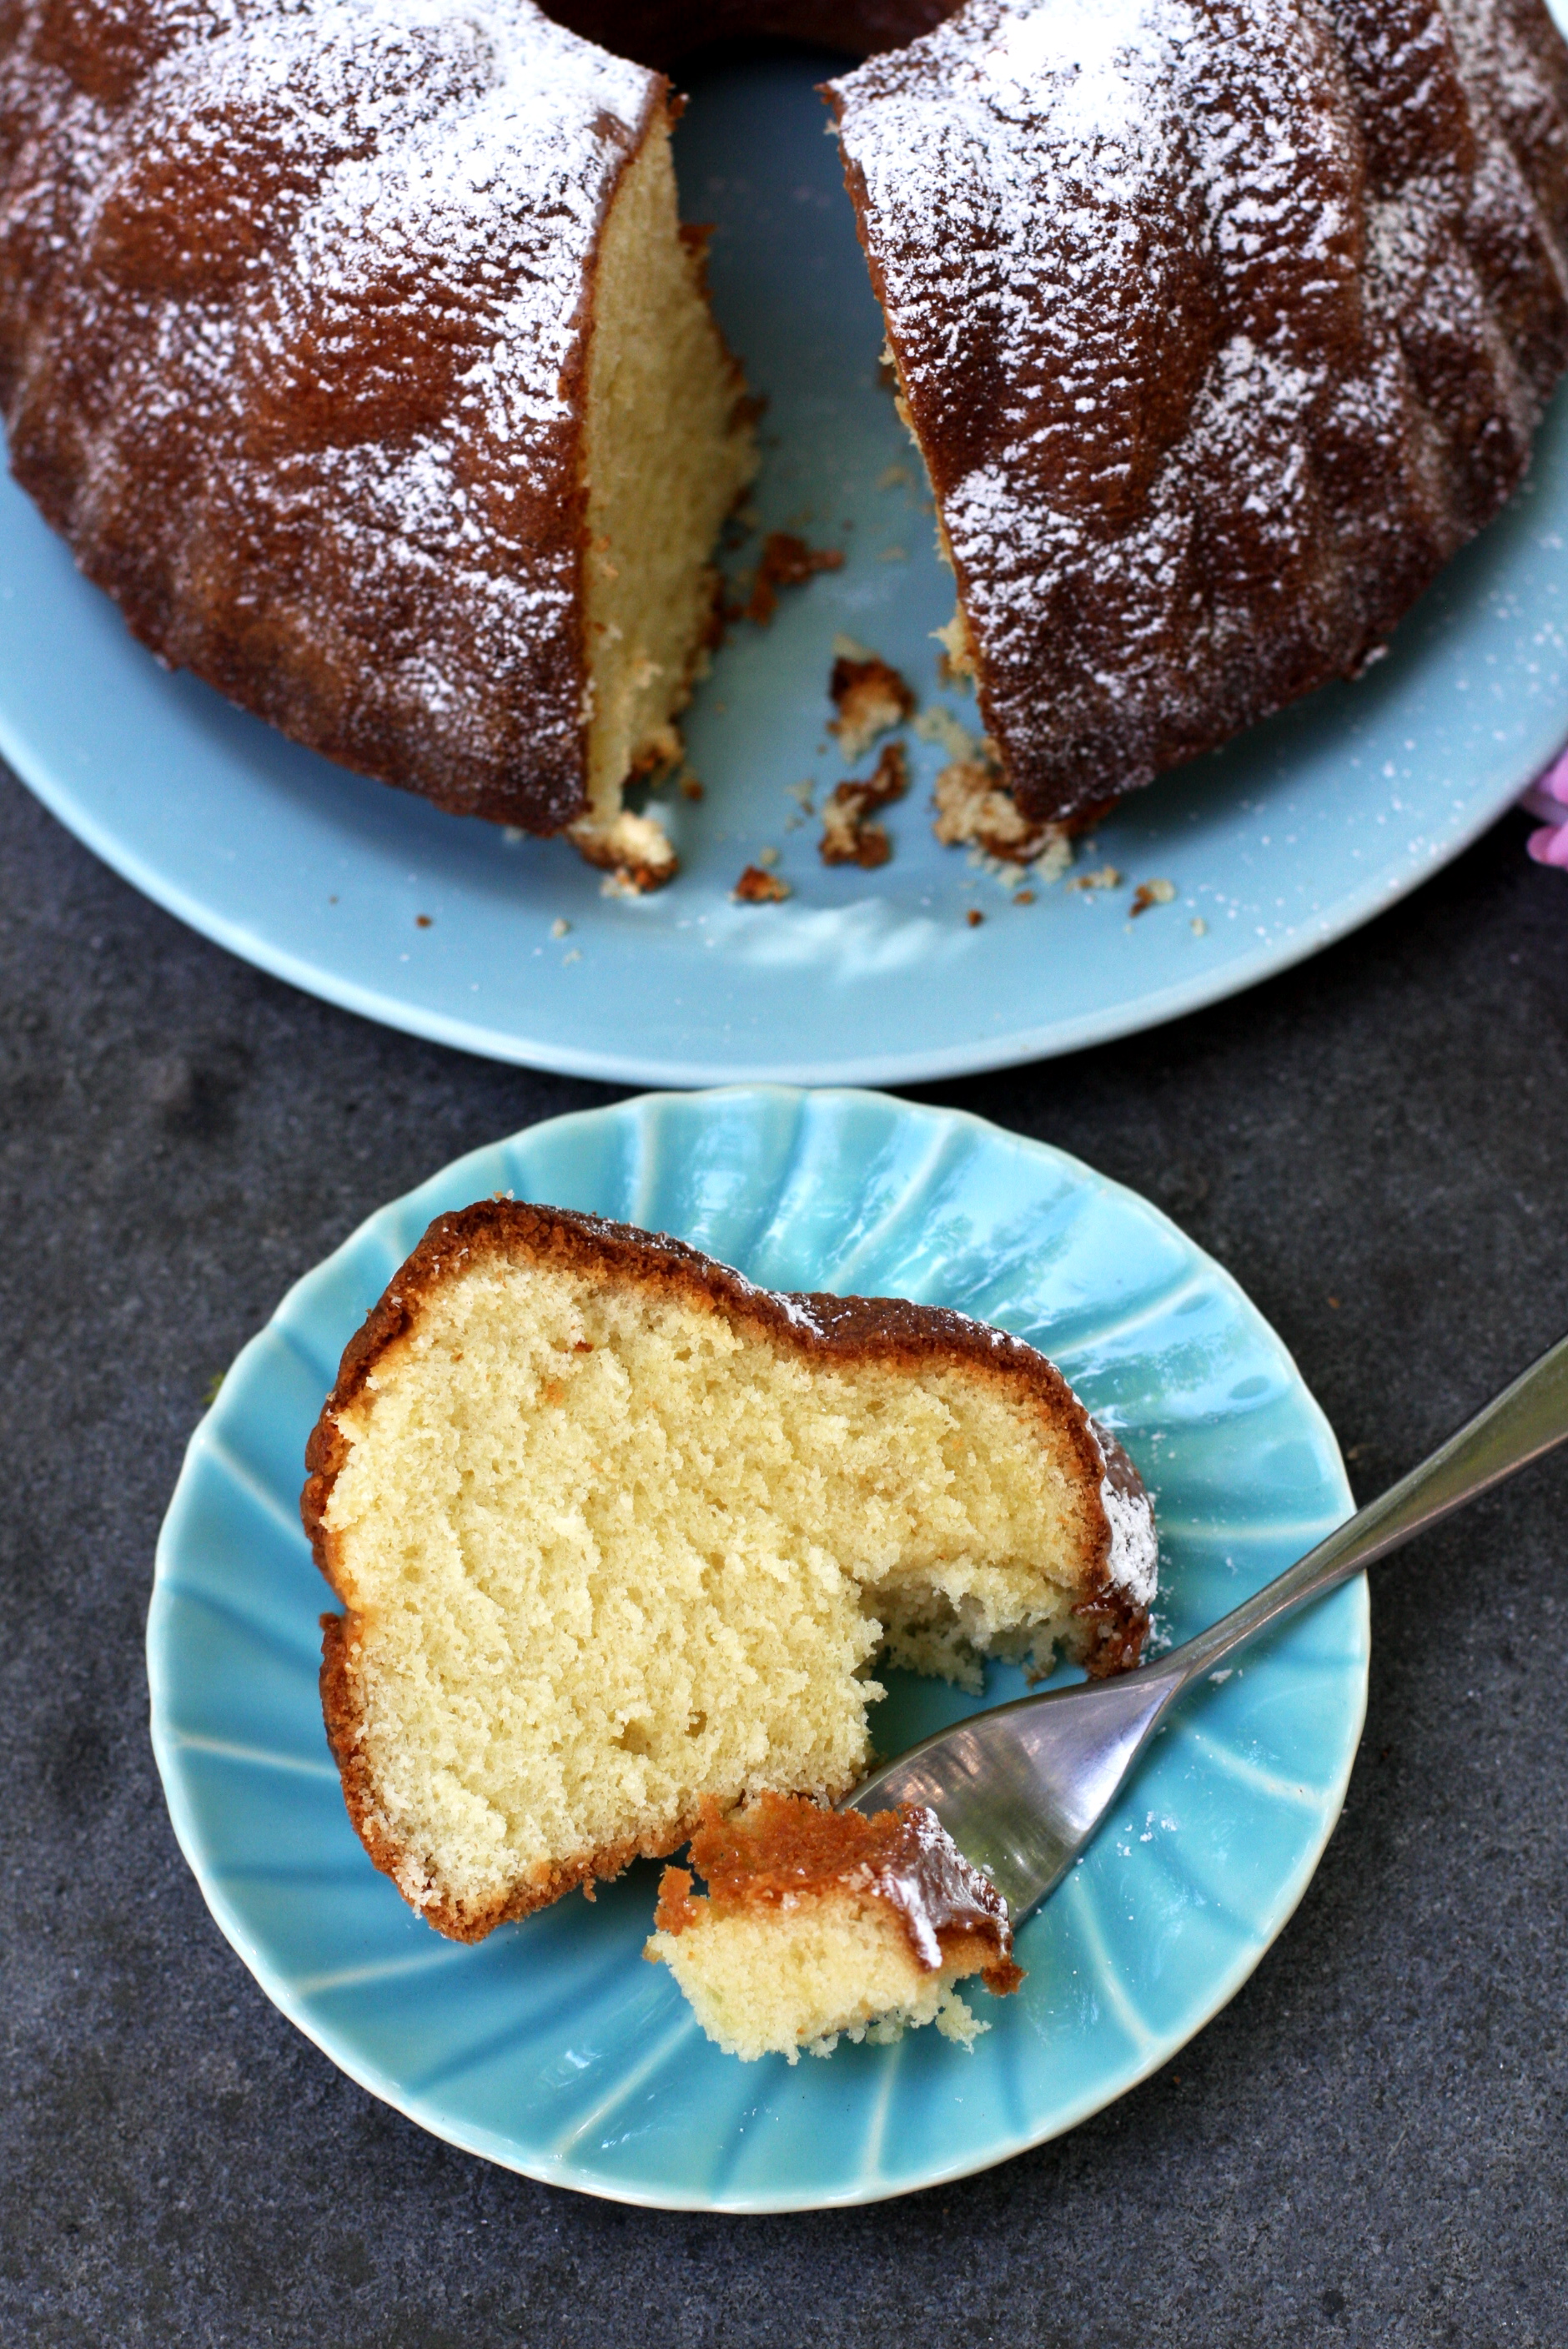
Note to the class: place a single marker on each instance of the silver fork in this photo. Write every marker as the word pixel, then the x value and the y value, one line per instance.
pixel 1022 1789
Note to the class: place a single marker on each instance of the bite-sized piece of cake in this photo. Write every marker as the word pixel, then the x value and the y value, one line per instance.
pixel 870 698
pixel 1219 330
pixel 848 836
pixel 820 1925
pixel 618 1534
pixel 358 353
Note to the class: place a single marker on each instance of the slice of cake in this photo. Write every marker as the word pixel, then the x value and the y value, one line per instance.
pixel 619 1534
pixel 820 1925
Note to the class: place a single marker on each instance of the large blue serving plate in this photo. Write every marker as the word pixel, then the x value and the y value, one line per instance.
pixel 551 2047
pixel 1301 830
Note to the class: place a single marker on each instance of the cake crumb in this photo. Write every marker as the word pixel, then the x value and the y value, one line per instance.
pixel 767 856
pixel 894 477
pixel 847 837
pixel 756 887
pixel 636 846
pixel 1152 893
pixel 1103 876
pixel 690 788
pixel 820 1926
pixel 573 953
pixel 1200 927
pixel 870 698
pixel 974 811
pixel 1023 897
pixel 974 917
pixel 421 921
pixel 787 562
pixel 558 928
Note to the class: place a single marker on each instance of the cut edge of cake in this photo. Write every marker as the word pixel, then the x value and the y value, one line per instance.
pixel 668 451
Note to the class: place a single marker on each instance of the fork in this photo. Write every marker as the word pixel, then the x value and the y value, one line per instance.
pixel 1023 1788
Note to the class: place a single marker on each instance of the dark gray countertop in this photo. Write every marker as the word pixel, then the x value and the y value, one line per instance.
pixel 1367 2146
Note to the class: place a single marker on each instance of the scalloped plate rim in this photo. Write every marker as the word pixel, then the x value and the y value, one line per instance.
pixel 373 2078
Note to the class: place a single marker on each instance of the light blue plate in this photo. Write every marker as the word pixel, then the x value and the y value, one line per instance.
pixel 551 2047
pixel 1300 830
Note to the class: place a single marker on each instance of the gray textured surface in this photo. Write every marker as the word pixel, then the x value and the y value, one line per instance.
pixel 1369 2145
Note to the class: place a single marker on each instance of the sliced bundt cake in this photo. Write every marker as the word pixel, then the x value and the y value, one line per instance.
pixel 357 351
pixel 1220 328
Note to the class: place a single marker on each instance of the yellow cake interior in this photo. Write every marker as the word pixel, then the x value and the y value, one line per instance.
pixel 667 450
pixel 775 1981
pixel 609 1553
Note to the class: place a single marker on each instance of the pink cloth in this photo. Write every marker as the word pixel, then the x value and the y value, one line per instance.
pixel 1548 798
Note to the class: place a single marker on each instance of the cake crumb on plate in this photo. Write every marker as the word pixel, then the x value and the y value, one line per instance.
pixel 847 835
pixel 870 698
pixel 757 887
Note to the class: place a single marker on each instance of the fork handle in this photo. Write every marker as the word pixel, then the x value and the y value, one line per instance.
pixel 1525 1419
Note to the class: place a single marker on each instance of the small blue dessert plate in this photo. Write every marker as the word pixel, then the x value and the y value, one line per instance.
pixel 551 2047
pixel 1288 838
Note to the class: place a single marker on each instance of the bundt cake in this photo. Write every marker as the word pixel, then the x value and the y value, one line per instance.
pixel 619 1534
pixel 820 1925
pixel 357 351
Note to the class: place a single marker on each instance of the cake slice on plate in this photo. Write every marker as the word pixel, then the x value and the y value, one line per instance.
pixel 621 1536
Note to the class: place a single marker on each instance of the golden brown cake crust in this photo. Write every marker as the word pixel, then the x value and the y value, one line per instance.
pixel 784 1848
pixel 824 1328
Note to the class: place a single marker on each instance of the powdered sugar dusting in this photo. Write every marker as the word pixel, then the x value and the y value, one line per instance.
pixel 1133 1565
pixel 1094 59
